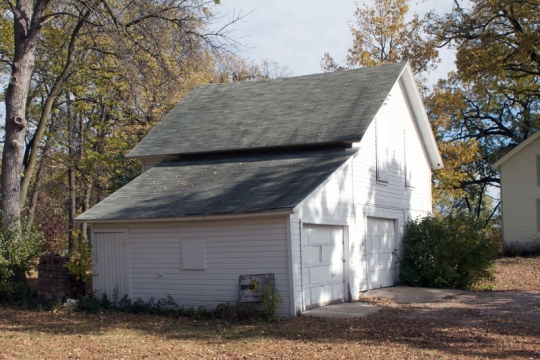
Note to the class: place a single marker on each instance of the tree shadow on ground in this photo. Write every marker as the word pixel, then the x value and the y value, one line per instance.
pixel 487 324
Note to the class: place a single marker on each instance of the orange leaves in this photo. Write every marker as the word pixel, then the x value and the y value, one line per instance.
pixel 381 36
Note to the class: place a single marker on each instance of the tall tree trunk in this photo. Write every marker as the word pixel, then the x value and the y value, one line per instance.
pixel 47 109
pixel 72 182
pixel 35 191
pixel 89 181
pixel 40 173
pixel 72 209
pixel 86 205
pixel 27 19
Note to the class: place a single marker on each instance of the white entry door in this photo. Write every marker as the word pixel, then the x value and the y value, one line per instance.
pixel 380 247
pixel 110 264
pixel 323 277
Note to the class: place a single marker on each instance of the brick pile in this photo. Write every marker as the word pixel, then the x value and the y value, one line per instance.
pixel 54 281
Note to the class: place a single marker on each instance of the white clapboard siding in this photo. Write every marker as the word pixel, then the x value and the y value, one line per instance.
pixel 395 193
pixel 394 199
pixel 519 194
pixel 232 248
pixel 352 193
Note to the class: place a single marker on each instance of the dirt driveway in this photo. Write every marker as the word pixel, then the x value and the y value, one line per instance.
pixel 494 324
pixel 504 323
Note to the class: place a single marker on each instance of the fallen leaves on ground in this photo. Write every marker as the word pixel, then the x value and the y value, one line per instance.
pixel 517 273
pixel 377 301
pixel 489 324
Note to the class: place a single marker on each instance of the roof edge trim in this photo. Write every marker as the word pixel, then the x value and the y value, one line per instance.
pixel 223 216
pixel 419 111
pixel 515 150
pixel 254 150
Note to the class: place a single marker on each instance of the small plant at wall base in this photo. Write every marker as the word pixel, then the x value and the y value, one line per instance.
pixel 270 300
pixel 450 251
pixel 163 307
pixel 515 249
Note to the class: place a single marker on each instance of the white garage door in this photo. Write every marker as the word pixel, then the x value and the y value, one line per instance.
pixel 322 265
pixel 110 264
pixel 380 247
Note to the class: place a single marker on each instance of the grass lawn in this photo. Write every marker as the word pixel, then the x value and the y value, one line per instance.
pixel 491 324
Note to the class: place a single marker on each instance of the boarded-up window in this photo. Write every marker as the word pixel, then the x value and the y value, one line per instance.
pixel 193 255
pixel 538 169
pixel 382 150
pixel 409 158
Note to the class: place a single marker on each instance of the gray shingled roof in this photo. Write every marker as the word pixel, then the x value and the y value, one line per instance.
pixel 233 185
pixel 314 109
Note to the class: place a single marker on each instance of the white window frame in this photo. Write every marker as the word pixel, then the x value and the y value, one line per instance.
pixel 382 151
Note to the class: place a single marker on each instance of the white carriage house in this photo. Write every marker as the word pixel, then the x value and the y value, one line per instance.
pixel 308 178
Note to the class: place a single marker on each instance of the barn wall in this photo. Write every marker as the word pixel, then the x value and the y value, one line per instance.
pixel 394 194
pixel 330 204
pixel 352 194
pixel 519 194
pixel 392 199
pixel 232 248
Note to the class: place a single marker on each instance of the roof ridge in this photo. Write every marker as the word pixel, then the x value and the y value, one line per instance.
pixel 297 111
pixel 401 64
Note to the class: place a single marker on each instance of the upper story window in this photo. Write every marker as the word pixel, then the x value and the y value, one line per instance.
pixel 409 158
pixel 382 150
pixel 538 215
pixel 538 169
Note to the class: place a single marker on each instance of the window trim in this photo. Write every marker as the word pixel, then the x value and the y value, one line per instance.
pixel 381 151
pixel 409 159
pixel 193 254
pixel 538 170
pixel 538 215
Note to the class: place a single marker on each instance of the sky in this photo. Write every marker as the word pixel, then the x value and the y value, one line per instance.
pixel 297 33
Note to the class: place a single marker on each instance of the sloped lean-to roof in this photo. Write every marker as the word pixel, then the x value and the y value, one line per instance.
pixel 306 110
pixel 230 185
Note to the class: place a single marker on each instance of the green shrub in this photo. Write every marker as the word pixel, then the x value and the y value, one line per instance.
pixel 19 250
pixel 270 300
pixel 450 251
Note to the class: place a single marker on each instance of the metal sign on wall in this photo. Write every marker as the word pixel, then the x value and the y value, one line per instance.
pixel 251 286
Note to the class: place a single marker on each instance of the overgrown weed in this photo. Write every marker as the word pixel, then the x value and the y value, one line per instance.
pixel 168 307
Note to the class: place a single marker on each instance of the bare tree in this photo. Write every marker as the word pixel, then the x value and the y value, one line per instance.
pixel 131 32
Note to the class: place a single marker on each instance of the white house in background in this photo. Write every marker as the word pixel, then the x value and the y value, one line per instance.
pixel 309 178
pixel 520 193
